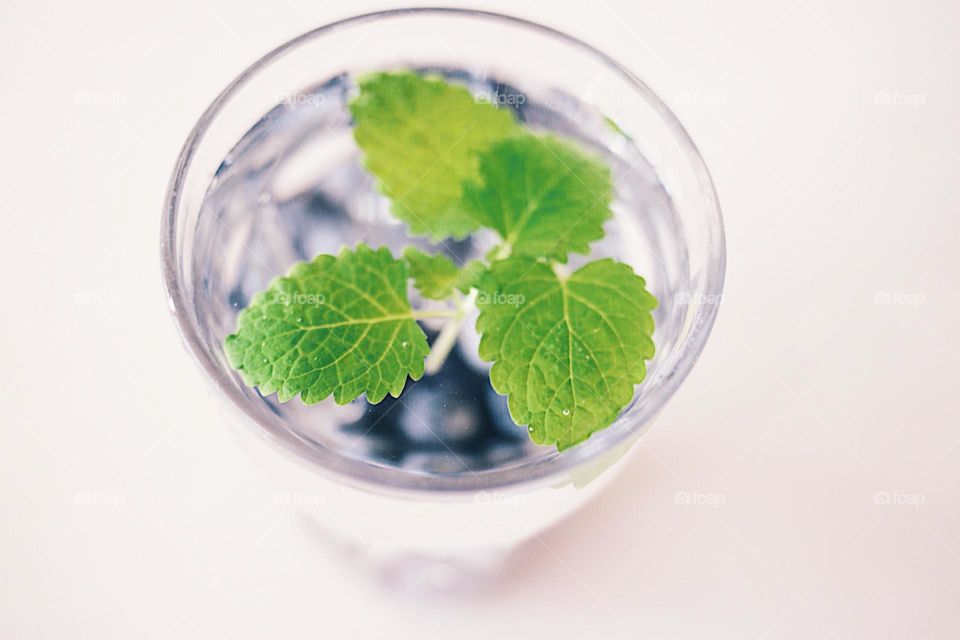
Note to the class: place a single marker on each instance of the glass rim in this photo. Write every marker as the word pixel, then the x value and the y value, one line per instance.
pixel 390 479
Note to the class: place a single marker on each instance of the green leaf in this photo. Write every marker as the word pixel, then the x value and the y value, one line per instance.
pixel 544 197
pixel 336 325
pixel 470 275
pixel 567 351
pixel 433 275
pixel 420 137
pixel 436 276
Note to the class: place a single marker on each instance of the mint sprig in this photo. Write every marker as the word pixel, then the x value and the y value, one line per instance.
pixel 567 349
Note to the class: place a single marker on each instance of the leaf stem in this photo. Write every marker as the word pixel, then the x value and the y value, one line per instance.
pixel 444 343
pixel 424 314
pixel 502 251
pixel 561 270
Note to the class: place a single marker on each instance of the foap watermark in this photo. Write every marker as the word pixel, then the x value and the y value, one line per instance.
pixel 699 498
pixel 508 99
pixel 897 99
pixel 686 298
pixel 98 298
pixel 293 498
pixel 899 498
pixel 302 99
pixel 498 497
pixel 99 99
pixel 99 499
pixel 500 298
pixel 714 100
pixel 296 297
pixel 897 298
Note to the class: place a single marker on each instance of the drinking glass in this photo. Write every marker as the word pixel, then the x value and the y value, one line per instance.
pixel 270 175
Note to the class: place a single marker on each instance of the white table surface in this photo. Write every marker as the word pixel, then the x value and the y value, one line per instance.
pixel 832 131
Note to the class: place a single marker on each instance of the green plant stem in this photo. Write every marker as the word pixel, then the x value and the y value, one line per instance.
pixel 425 314
pixel 451 331
pixel 503 251
pixel 562 271
pixel 442 346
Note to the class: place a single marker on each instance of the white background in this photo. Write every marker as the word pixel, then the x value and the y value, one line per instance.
pixel 821 422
